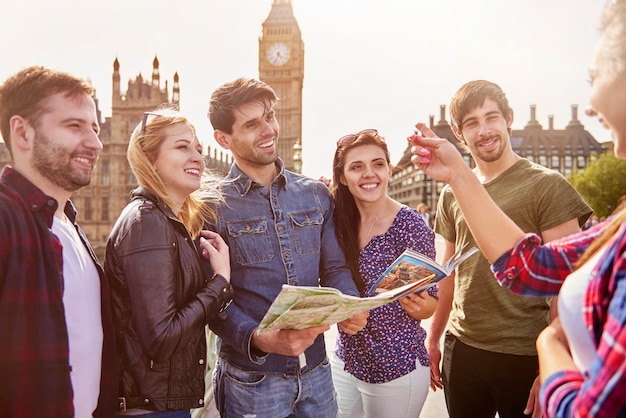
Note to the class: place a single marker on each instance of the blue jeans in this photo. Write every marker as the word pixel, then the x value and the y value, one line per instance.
pixel 161 414
pixel 241 393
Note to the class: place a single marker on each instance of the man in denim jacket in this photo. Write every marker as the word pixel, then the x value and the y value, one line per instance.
pixel 279 227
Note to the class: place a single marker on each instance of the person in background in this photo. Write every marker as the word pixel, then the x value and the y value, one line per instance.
pixel 582 355
pixel 382 370
pixel 422 208
pixel 57 350
pixel 489 360
pixel 162 296
pixel 326 181
pixel 279 227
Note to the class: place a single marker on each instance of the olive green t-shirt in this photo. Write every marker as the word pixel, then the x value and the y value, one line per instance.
pixel 485 315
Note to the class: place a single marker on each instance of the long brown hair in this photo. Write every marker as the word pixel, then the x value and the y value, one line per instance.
pixel 347 216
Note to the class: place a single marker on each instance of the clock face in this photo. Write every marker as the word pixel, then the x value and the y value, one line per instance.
pixel 278 54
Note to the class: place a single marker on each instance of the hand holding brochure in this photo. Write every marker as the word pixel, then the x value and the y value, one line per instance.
pixel 300 307
pixel 414 268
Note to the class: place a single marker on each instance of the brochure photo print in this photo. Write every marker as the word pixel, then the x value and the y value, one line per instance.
pixel 299 307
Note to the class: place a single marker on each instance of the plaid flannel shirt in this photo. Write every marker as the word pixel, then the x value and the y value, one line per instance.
pixel 539 270
pixel 34 348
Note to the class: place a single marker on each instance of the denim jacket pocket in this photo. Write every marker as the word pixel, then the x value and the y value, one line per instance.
pixel 250 241
pixel 307 227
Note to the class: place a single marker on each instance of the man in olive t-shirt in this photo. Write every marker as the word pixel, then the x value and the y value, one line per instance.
pixel 489 360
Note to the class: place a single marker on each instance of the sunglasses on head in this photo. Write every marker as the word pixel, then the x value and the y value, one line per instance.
pixel 348 139
pixel 145 120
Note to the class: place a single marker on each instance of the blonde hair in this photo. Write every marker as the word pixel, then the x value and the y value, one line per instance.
pixel 143 151
pixel 611 48
pixel 611 56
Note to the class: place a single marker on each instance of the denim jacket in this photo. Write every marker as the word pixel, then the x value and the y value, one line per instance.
pixel 284 235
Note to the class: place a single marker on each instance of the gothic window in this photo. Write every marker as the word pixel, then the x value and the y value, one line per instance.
pixel 87 209
pixel 105 179
pixel 105 209
pixel 567 161
pixel 131 177
pixel 555 162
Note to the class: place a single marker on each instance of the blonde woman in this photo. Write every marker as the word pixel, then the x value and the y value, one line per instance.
pixel 162 296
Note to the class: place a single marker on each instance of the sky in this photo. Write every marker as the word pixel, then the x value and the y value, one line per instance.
pixel 368 63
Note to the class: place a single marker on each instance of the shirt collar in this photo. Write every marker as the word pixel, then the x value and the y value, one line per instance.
pixel 244 183
pixel 36 199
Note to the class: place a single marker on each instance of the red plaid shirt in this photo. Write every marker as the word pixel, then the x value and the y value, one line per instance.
pixel 34 351
pixel 538 270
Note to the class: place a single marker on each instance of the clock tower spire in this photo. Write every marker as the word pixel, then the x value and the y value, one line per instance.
pixel 281 65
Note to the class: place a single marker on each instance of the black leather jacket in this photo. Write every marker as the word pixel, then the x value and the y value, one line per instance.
pixel 162 301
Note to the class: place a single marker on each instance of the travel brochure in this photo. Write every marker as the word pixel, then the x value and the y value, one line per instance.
pixel 300 307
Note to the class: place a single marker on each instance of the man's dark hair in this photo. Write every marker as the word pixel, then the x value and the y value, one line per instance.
pixel 234 94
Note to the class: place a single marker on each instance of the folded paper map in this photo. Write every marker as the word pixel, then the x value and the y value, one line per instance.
pixel 299 307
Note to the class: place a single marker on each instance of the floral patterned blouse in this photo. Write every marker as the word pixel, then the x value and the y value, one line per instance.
pixel 392 341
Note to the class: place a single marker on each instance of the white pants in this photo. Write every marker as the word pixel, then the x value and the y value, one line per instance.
pixel 400 398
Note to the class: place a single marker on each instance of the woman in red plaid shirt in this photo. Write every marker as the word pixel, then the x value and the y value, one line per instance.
pixel 582 354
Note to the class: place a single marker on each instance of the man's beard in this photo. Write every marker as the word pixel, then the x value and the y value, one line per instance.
pixel 53 162
pixel 489 156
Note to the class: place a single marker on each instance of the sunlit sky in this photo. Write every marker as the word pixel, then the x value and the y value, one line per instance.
pixel 368 63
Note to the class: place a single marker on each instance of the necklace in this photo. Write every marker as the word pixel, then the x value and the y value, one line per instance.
pixel 369 233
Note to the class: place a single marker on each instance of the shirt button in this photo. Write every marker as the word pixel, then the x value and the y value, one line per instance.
pixel 146 401
pixel 286 255
pixel 200 401
pixel 293 283
pixel 201 361
pixel 280 228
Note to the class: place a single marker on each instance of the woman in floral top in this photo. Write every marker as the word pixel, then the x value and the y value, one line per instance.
pixel 582 354
pixel 384 369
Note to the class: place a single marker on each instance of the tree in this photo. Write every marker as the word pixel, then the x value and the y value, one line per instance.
pixel 602 183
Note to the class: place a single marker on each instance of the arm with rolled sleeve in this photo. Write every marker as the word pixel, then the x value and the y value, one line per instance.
pixel 601 392
pixel 533 269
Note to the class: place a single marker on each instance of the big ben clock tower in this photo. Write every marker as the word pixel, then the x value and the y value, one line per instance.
pixel 281 65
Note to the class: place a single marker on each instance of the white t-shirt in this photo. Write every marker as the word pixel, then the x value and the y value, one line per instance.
pixel 82 303
pixel 570 305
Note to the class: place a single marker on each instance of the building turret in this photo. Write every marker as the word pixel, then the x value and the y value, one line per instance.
pixel 533 123
pixel 574 123
pixel 156 77
pixel 116 78
pixel 176 90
